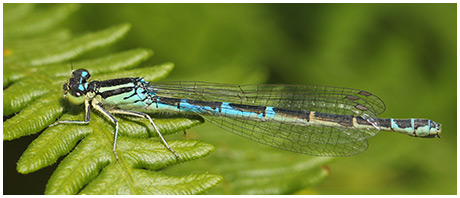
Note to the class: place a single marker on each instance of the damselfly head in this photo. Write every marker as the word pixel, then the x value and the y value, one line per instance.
pixel 77 86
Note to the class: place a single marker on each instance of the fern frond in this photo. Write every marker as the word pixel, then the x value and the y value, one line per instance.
pixel 32 100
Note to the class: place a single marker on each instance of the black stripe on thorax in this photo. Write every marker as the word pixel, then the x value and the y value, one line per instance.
pixel 115 82
pixel 113 92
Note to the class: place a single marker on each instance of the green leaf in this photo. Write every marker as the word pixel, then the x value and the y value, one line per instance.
pixel 118 61
pixel 148 73
pixel 112 181
pixel 33 77
pixel 86 162
pixel 23 46
pixel 259 177
pixel 251 168
pixel 145 154
pixel 16 11
pixel 38 115
pixel 57 52
pixel 32 23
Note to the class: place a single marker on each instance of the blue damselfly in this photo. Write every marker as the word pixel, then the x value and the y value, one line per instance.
pixel 313 120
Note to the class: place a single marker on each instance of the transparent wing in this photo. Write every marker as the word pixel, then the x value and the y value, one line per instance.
pixel 295 97
pixel 317 141
pixel 313 140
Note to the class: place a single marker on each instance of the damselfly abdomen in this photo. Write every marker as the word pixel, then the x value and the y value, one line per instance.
pixel 313 120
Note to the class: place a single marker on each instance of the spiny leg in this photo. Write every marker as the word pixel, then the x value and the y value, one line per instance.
pixel 96 105
pixel 87 117
pixel 146 116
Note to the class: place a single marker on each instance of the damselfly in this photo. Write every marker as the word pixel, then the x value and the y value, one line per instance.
pixel 313 120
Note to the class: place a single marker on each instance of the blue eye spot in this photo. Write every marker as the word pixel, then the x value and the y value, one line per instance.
pixel 80 87
pixel 84 73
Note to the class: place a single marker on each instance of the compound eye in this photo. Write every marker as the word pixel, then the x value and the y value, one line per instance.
pixel 76 99
pixel 83 74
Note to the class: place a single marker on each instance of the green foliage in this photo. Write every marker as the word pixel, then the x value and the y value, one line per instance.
pixel 32 100
pixel 149 182
pixel 404 53
pixel 20 22
pixel 260 170
pixel 133 173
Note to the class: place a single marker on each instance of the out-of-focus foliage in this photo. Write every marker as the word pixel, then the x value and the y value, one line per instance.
pixel 404 53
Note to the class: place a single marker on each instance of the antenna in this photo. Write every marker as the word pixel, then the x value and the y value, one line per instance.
pixel 71 65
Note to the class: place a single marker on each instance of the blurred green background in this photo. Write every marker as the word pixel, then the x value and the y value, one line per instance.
pixel 403 53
